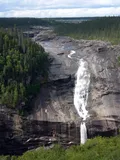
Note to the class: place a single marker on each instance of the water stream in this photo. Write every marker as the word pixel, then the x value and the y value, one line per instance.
pixel 81 95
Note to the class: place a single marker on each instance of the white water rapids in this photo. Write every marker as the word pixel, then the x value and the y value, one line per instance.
pixel 81 94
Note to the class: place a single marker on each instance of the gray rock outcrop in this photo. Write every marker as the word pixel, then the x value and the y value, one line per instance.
pixel 104 92
pixel 54 115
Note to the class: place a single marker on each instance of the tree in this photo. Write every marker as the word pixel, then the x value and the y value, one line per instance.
pixel 15 97
pixel 17 66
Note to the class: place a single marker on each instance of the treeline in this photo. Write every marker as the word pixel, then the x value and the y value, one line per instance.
pixel 21 62
pixel 94 149
pixel 104 28
pixel 23 22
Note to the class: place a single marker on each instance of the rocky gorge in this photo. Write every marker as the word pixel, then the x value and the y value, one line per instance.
pixel 54 118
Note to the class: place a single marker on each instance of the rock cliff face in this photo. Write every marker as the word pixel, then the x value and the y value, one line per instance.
pixel 54 118
pixel 104 92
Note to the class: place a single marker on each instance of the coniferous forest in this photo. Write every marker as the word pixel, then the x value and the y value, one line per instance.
pixel 102 28
pixel 24 67
pixel 21 62
pixel 23 22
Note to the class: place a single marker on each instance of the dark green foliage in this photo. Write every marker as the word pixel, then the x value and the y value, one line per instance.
pixel 6 158
pixel 105 28
pixel 22 22
pixel 57 153
pixel 95 149
pixel 21 63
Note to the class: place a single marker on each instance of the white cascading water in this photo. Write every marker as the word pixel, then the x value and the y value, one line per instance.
pixel 71 53
pixel 81 95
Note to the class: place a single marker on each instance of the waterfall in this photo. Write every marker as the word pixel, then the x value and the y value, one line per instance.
pixel 81 95
pixel 71 53
pixel 83 133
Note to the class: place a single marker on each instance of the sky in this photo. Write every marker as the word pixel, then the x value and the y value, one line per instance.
pixel 59 8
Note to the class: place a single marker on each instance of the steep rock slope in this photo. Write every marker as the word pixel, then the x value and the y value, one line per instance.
pixel 104 92
pixel 54 118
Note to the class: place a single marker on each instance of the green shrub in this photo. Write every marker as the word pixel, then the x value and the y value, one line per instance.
pixel 5 158
pixel 94 149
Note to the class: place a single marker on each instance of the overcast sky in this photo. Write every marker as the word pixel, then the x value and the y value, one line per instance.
pixel 59 8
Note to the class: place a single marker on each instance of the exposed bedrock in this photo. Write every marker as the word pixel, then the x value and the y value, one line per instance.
pixel 104 92
pixel 54 118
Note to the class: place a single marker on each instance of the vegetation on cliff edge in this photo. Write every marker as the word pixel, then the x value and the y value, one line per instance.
pixel 94 149
pixel 21 63
pixel 103 28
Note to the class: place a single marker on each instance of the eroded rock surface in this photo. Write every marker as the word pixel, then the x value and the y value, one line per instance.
pixel 104 92
pixel 54 117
